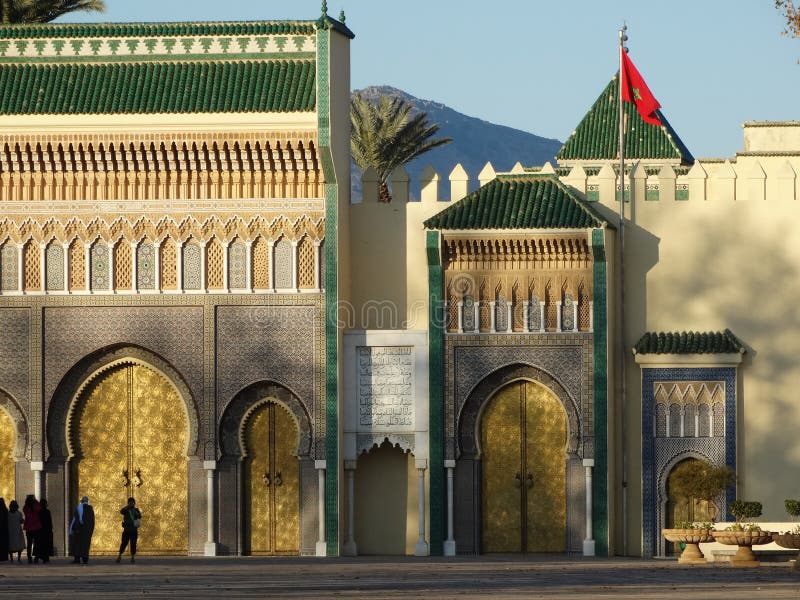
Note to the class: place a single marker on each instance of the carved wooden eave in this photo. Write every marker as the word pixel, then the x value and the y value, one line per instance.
pixel 160 166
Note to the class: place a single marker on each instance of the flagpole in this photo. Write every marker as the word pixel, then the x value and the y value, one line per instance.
pixel 623 388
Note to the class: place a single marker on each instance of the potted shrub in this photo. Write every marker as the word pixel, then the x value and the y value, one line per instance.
pixel 791 538
pixel 744 534
pixel 697 480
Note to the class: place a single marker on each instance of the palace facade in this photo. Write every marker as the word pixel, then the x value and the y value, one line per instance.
pixel 194 312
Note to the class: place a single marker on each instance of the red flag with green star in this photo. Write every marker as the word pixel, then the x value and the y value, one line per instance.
pixel 635 90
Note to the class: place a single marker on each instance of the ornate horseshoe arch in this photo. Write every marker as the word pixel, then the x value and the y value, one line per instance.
pixel 246 402
pixel 469 418
pixel 68 392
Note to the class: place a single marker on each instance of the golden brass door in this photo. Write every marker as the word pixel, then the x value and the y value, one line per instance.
pixel 131 441
pixel 272 482
pixel 7 441
pixel 523 440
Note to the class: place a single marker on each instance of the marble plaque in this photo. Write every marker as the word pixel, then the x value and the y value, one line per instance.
pixel 385 388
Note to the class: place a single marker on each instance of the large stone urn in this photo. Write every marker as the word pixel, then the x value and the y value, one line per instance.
pixel 744 556
pixel 789 540
pixel 691 554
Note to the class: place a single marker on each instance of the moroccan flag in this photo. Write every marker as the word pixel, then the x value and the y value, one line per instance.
pixel 635 90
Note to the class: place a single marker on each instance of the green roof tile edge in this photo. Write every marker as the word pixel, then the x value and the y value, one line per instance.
pixel 594 218
pixel 689 342
pixel 177 28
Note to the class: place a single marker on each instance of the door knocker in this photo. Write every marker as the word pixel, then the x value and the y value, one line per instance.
pixel 278 480
pixel 125 480
pixel 267 480
pixel 137 478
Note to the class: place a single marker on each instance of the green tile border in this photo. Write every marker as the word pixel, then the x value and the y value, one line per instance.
pixel 435 393
pixel 331 299
pixel 600 476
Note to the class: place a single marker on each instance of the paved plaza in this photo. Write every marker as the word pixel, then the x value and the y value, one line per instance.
pixel 464 577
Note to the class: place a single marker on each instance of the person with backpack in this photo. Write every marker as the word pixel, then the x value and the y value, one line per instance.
pixel 131 519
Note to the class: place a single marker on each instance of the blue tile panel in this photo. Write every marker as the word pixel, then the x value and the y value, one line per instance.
pixel 658 454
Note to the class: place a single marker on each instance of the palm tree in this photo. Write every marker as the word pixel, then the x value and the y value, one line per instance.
pixel 385 135
pixel 43 11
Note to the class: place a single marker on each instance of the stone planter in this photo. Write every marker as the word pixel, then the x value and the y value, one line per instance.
pixel 691 555
pixel 744 556
pixel 789 540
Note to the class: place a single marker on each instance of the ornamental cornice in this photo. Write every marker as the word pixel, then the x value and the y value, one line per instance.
pixel 112 229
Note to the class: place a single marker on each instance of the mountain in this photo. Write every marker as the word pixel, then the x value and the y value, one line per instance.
pixel 475 142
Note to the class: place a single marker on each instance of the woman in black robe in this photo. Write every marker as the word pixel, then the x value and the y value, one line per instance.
pixel 43 549
pixel 3 531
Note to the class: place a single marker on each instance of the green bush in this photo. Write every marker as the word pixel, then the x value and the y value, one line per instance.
pixel 742 510
pixel 792 508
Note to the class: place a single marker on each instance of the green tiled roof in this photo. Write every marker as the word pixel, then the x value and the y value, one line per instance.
pixel 519 201
pixel 158 87
pixel 597 136
pixel 92 30
pixel 692 342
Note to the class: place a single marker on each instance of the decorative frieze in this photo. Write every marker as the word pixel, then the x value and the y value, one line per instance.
pixel 385 388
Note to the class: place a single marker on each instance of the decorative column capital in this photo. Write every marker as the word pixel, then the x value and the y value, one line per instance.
pixel 210 465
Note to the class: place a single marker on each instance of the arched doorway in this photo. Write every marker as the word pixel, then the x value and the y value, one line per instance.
pixel 128 434
pixel 271 482
pixel 8 439
pixel 386 505
pixel 523 438
pixel 682 510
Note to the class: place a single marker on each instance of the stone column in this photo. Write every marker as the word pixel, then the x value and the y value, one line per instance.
pixel 134 267
pixel 558 315
pixel 179 267
pixel 249 266
pixel 157 267
pixel 20 268
pixel 318 274
pixel 43 268
pixel 295 244
pixel 322 545
pixel 460 316
pixel 87 248
pixel 66 269
pixel 421 548
pixel 450 542
pixel 37 467
pixel 542 324
pixel 210 548
pixel 226 284
pixel 271 252
pixel 111 283
pixel 591 315
pixel 588 542
pixel 203 261
pixel 492 324
pixel 350 548
pixel 526 316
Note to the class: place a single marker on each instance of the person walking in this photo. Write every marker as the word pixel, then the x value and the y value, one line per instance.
pixel 32 526
pixel 82 528
pixel 43 549
pixel 16 540
pixel 131 518
pixel 3 531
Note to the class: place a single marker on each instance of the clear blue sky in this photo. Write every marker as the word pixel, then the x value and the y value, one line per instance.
pixel 538 66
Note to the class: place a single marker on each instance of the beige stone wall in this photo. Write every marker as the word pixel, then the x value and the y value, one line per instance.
pixel 728 257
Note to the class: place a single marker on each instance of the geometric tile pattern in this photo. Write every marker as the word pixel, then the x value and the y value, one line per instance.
pixel 661 454
pixel 192 266
pixel 54 261
pixel 237 265
pixel 283 264
pixel 9 267
pixel 99 266
pixel 145 266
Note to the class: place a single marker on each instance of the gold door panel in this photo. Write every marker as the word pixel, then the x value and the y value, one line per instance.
pixel 546 472
pixel 131 441
pixel 7 441
pixel 502 457
pixel 523 439
pixel 272 483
